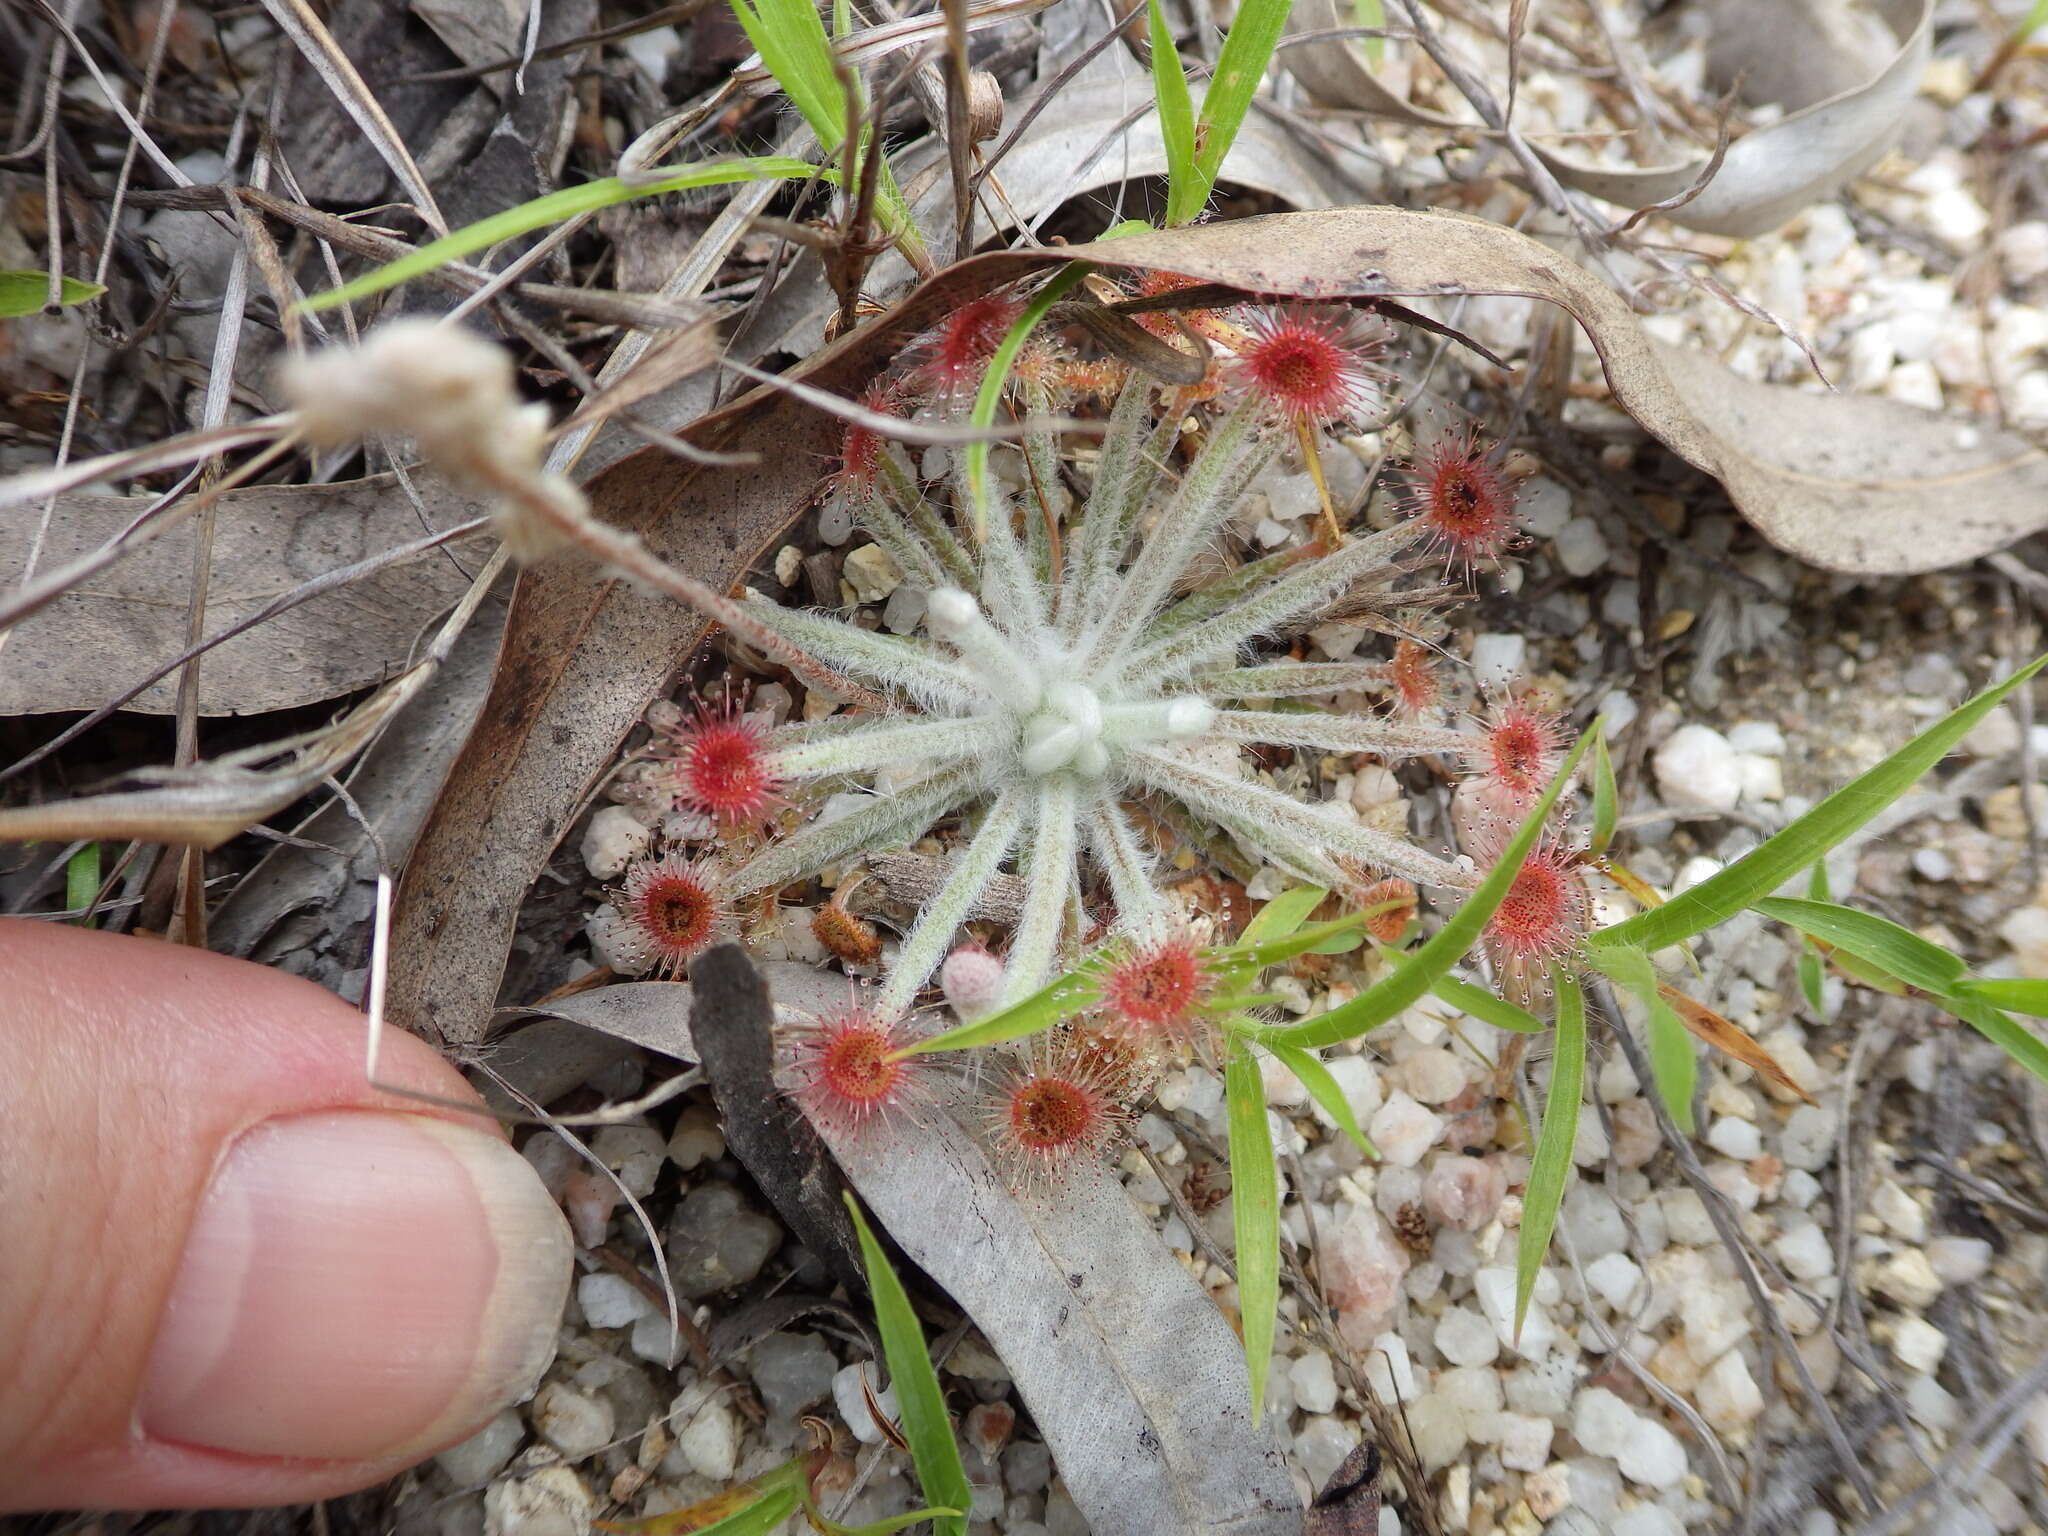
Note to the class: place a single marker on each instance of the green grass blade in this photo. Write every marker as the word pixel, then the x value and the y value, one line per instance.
pixel 1255 1210
pixel 1487 1008
pixel 887 1526
pixel 1811 971
pixel 1811 978
pixel 1605 796
pixel 919 1401
pixel 999 365
pixel 82 882
pixel 1240 65
pixel 553 209
pixel 1552 1164
pixel 25 293
pixel 2009 1035
pixel 1321 939
pixel 1761 871
pixel 1322 1087
pixel 758 1518
pixel 1674 1063
pixel 1897 951
pixel 1373 13
pixel 1450 943
pixel 790 37
pixel 1176 122
pixel 2023 996
pixel 1054 1003
pixel 1282 915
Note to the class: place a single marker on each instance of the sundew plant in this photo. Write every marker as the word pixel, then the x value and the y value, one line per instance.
pixel 1075 663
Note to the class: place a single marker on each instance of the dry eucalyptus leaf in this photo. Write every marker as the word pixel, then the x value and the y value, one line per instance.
pixel 1132 1374
pixel 129 620
pixel 1130 1371
pixel 307 907
pixel 1768 175
pixel 1849 483
pixel 207 803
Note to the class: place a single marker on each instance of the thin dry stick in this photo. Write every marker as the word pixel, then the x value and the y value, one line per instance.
pixel 1475 91
pixel 298 21
pixel 959 139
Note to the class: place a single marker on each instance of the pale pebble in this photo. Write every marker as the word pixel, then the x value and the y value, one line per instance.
pixel 1918 1345
pixel 1727 1395
pixel 710 1441
pixel 1497 660
pixel 610 1301
pixel 614 839
pixel 1464 1192
pixel 1697 767
pixel 1403 1130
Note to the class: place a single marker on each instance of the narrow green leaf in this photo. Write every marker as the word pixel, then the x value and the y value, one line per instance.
pixel 999 364
pixel 1674 1064
pixel 1313 940
pixel 790 37
pixel 1812 979
pixel 884 1527
pixel 553 209
pixel 2020 996
pixel 1779 858
pixel 1176 121
pixel 1054 1003
pixel 1282 915
pixel 82 882
pixel 1605 795
pixel 2008 1034
pixel 1240 66
pixel 25 293
pixel 1856 968
pixel 1373 13
pixel 1450 944
pixel 774 1506
pixel 1812 974
pixel 1309 1070
pixel 1255 1208
pixel 1903 953
pixel 1486 1007
pixel 918 1398
pixel 1552 1164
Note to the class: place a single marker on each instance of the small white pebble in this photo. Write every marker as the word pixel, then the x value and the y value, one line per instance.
pixel 1908 1279
pixel 710 1442
pixel 610 1301
pixel 1735 1138
pixel 1727 1394
pixel 1895 1206
pixel 573 1424
pixel 1314 1382
pixel 1580 546
pixel 1614 1278
pixel 1497 660
pixel 1918 1345
pixel 614 839
pixel 1697 767
pixel 1465 1338
pixel 1959 1260
pixel 1805 1252
pixel 852 1403
pixel 1403 1130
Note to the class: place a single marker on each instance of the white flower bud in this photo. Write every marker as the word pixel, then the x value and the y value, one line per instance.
pixel 972 980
